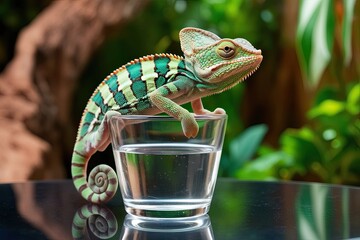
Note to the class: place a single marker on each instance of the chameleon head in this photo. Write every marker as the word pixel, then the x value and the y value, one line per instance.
pixel 218 63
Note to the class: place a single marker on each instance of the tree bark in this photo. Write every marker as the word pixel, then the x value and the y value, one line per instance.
pixel 36 87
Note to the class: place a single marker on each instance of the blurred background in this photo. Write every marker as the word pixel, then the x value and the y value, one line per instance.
pixel 296 118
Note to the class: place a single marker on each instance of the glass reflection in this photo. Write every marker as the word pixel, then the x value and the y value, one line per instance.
pixel 195 228
pixel 100 220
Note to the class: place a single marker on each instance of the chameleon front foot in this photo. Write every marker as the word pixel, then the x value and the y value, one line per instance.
pixel 189 126
pixel 220 111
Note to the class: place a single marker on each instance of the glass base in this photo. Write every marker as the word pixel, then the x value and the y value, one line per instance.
pixel 168 225
pixel 167 214
pixel 188 228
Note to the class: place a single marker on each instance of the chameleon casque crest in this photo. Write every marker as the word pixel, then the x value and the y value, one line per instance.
pixel 154 84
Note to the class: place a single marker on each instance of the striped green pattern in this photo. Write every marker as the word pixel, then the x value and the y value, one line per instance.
pixel 125 90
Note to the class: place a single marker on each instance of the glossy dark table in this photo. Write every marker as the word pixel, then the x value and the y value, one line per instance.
pixel 240 210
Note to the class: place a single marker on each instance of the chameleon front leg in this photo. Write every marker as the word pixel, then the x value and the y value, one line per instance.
pixel 158 99
pixel 198 108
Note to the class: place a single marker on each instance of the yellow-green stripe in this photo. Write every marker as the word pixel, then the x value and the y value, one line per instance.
pixel 124 83
pixel 149 75
pixel 173 68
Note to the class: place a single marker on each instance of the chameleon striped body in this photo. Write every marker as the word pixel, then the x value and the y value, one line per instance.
pixel 126 89
pixel 153 84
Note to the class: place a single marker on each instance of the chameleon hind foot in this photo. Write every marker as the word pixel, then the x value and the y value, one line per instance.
pixel 199 109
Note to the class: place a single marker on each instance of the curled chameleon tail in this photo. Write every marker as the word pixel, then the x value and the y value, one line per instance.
pixel 102 184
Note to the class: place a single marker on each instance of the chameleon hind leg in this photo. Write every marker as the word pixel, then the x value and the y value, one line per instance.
pixel 100 139
pixel 102 179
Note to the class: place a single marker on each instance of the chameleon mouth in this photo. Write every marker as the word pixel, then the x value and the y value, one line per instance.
pixel 256 65
pixel 257 62
pixel 246 64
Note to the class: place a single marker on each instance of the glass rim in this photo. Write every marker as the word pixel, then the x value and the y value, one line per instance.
pixel 211 116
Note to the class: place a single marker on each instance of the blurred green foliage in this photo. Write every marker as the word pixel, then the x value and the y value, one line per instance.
pixel 241 149
pixel 327 149
pixel 316 36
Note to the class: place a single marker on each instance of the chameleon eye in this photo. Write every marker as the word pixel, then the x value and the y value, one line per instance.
pixel 226 50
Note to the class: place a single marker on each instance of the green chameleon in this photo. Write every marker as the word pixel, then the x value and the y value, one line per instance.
pixel 154 84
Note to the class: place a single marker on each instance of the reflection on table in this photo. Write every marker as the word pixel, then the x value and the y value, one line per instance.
pixel 247 210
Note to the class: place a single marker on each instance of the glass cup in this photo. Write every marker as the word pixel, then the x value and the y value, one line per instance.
pixel 162 173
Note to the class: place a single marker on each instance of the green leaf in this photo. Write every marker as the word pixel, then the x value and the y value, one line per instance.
pixel 245 145
pixel 315 37
pixel 264 167
pixel 328 108
pixel 300 144
pixel 349 7
pixel 353 100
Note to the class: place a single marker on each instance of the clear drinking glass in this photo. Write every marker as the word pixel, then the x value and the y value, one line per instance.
pixel 162 173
